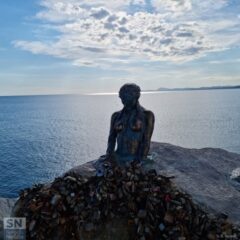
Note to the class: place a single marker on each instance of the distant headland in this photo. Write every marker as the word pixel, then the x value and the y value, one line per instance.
pixel 199 88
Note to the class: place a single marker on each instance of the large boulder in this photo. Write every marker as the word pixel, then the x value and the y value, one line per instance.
pixel 202 173
pixel 6 205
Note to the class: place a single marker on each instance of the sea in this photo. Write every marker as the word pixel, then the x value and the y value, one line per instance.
pixel 41 137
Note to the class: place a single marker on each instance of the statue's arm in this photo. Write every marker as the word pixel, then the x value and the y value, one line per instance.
pixel 150 120
pixel 112 136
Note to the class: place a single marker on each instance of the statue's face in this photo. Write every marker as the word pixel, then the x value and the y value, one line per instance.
pixel 128 99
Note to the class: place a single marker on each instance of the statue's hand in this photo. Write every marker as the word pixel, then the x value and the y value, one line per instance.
pixel 102 158
pixel 104 162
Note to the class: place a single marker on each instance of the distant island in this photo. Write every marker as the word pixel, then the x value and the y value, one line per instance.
pixel 199 88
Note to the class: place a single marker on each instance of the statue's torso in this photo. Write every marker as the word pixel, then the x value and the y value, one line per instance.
pixel 130 129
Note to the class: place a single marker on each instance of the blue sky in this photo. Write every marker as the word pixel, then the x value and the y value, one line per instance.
pixel 76 46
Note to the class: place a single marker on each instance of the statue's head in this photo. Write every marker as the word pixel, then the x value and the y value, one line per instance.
pixel 129 94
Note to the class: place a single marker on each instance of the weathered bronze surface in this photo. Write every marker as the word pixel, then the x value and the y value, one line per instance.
pixel 131 128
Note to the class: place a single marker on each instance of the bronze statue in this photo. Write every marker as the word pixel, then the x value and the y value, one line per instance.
pixel 131 128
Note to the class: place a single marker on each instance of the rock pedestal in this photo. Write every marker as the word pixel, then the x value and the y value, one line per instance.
pixel 202 173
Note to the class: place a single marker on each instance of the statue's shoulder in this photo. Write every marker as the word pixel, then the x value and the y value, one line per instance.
pixel 149 116
pixel 116 114
pixel 148 113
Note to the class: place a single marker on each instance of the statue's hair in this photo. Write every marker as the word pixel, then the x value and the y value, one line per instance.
pixel 130 87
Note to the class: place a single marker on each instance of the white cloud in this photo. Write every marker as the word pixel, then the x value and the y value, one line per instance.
pixel 172 5
pixel 90 31
pixel 59 10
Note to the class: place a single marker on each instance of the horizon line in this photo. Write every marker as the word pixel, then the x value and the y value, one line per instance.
pixel 161 89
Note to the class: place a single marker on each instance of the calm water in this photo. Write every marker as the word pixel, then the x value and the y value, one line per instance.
pixel 43 136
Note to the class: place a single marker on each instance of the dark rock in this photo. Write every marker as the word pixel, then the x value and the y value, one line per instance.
pixel 6 205
pixel 202 173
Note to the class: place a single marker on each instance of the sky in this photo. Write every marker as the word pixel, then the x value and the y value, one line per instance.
pixel 77 46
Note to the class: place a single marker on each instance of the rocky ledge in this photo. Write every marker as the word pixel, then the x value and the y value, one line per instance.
pixel 202 173
pixel 6 205
pixel 209 175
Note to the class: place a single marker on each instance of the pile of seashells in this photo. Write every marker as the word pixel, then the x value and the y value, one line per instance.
pixel 152 206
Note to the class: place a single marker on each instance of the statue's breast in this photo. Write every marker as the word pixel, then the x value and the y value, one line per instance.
pixel 119 126
pixel 137 125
